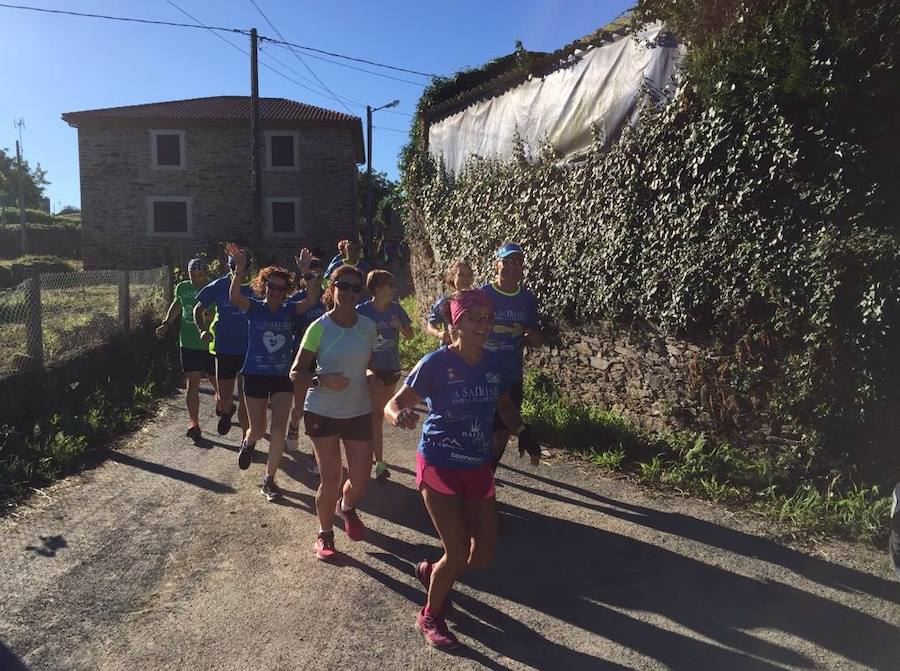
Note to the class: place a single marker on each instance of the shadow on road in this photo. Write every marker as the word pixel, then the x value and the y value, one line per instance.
pixel 9 661
pixel 51 544
pixel 168 471
pixel 818 570
pixel 701 616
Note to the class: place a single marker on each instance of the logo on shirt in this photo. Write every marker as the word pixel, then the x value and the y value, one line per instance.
pixel 453 377
pixel 273 342
pixel 492 378
pixel 450 444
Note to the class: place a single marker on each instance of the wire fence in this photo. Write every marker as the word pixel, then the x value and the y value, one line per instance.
pixel 53 317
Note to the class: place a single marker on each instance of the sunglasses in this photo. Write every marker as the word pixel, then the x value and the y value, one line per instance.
pixel 348 286
pixel 312 276
pixel 278 288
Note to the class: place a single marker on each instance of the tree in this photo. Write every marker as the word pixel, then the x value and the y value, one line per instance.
pixel 387 198
pixel 34 182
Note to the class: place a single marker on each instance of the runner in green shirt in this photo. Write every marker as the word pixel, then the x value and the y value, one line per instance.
pixel 195 357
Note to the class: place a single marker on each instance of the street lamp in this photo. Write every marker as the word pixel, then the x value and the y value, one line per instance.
pixel 369 222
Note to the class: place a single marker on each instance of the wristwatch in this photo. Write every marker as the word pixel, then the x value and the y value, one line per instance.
pixel 316 382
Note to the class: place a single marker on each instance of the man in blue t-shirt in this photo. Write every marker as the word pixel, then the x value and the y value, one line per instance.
pixel 230 344
pixel 515 325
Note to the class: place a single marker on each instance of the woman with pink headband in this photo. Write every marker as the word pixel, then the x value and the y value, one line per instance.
pixel 463 384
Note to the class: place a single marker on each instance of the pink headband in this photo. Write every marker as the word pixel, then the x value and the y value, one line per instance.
pixel 466 300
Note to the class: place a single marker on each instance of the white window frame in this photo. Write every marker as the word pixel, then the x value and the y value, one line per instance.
pixel 154 157
pixel 282 168
pixel 298 218
pixel 170 199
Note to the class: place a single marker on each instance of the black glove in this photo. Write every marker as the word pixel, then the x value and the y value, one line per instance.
pixel 528 442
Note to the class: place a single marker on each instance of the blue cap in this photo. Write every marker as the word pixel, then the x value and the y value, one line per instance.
pixel 508 248
pixel 196 264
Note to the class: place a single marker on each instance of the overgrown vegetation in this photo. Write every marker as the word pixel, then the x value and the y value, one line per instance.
pixel 413 349
pixel 754 208
pixel 81 422
pixel 716 471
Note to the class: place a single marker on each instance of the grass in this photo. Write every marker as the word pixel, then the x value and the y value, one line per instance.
pixel 73 318
pixel 59 441
pixel 716 471
pixel 72 264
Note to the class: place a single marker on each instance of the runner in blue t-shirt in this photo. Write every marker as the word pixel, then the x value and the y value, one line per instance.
pixel 349 254
pixel 392 321
pixel 268 359
pixel 458 278
pixel 230 343
pixel 312 270
pixel 463 385
pixel 515 325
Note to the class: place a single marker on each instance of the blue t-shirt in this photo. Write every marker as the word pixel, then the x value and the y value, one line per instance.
pixel 513 314
pixel 304 319
pixel 269 339
pixel 338 260
pixel 231 325
pixel 461 398
pixel 386 353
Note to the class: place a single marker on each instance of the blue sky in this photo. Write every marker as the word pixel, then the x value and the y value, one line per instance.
pixel 57 64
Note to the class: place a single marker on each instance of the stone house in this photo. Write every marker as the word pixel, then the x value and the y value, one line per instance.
pixel 162 182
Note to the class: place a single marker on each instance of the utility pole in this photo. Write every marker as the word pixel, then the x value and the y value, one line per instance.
pixel 22 232
pixel 369 223
pixel 369 218
pixel 255 176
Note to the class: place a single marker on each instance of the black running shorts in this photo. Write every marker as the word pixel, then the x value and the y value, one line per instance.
pixel 228 366
pixel 263 386
pixel 352 428
pixel 197 360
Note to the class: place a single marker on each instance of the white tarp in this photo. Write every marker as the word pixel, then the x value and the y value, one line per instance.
pixel 601 87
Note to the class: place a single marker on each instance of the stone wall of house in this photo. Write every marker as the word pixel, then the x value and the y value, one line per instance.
pixel 117 179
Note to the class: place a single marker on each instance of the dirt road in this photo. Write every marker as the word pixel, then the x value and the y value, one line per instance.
pixel 167 557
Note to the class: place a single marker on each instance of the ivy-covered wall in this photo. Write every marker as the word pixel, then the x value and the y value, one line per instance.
pixel 728 223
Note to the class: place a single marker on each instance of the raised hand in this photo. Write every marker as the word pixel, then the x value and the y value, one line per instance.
pixel 303 259
pixel 240 258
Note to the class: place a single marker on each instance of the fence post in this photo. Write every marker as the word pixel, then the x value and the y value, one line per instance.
pixel 34 335
pixel 169 283
pixel 125 301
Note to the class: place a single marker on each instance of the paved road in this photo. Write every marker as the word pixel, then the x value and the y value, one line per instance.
pixel 167 557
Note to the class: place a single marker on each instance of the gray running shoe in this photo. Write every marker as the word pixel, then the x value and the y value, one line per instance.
pixel 269 489
pixel 245 455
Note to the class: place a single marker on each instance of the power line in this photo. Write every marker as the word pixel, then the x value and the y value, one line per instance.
pixel 124 18
pixel 245 52
pixel 287 67
pixel 351 58
pixel 297 56
pixel 203 25
pixel 395 130
pixel 239 31
pixel 352 67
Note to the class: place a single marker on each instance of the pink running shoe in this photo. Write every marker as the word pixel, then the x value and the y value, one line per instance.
pixel 325 549
pixel 435 631
pixel 352 524
pixel 423 573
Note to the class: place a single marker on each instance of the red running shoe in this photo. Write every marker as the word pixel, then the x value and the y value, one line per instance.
pixel 325 549
pixel 352 524
pixel 423 573
pixel 435 631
